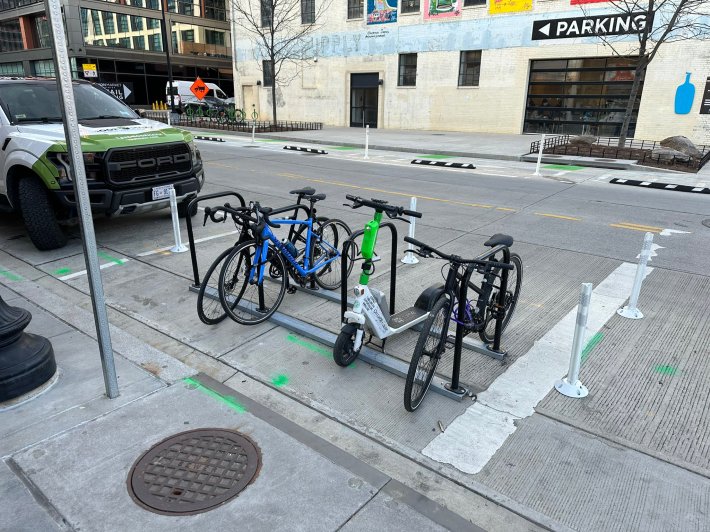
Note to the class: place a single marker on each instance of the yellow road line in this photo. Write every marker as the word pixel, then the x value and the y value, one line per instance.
pixel 561 217
pixel 649 227
pixel 644 229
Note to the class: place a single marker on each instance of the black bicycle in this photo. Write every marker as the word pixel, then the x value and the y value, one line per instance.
pixel 496 296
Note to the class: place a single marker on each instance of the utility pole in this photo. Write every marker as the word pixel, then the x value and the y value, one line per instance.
pixel 166 45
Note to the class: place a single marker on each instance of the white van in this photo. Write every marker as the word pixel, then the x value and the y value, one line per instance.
pixel 182 93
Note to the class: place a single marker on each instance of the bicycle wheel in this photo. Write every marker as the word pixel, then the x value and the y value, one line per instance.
pixel 329 239
pixel 245 300
pixel 210 309
pixel 344 352
pixel 515 280
pixel 427 353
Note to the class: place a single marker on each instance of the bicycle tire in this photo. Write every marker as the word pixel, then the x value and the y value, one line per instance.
pixel 426 355
pixel 212 313
pixel 239 299
pixel 344 353
pixel 515 280
pixel 330 276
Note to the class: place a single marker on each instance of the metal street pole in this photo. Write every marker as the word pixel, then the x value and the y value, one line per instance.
pixel 81 192
pixel 166 45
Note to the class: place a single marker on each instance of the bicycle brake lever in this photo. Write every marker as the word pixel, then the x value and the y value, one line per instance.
pixel 207 215
pixel 403 219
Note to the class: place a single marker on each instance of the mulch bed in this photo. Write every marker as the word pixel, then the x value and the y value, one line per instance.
pixel 641 156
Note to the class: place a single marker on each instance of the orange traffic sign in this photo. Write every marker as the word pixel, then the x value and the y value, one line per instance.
pixel 199 89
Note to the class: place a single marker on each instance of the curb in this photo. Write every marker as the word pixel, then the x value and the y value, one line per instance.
pixel 427 162
pixel 662 186
pixel 307 150
pixel 214 139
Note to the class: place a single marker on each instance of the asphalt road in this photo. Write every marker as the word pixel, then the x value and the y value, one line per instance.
pixel 579 212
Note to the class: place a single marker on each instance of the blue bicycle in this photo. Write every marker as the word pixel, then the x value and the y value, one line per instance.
pixel 255 275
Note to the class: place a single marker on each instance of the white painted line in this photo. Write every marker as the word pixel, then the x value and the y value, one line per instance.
pixel 197 241
pixel 474 437
pixel 83 272
pixel 669 232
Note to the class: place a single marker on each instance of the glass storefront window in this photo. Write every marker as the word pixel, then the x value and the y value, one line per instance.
pixel 10 36
pixel 580 96
pixel 43 68
pixel 191 39
pixel 12 69
pixel 14 4
pixel 41 29
pixel 121 31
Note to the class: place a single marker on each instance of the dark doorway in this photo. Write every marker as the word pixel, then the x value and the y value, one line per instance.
pixel 363 99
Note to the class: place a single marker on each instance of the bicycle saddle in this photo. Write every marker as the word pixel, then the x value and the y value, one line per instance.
pixel 316 197
pixel 307 191
pixel 499 239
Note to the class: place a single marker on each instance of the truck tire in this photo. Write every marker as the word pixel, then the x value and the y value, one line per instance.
pixel 182 208
pixel 39 216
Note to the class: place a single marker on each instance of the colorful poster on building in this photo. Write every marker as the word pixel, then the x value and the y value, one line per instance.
pixel 579 2
pixel 381 12
pixel 496 7
pixel 442 8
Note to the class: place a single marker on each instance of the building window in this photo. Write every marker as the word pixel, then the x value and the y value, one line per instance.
pixel 14 4
pixel 97 22
pixel 124 42
pixel 137 3
pixel 84 22
pixel 43 68
pixel 581 96
pixel 308 11
pixel 469 3
pixel 410 6
pixel 108 22
pixel 41 25
pixel 12 69
pixel 470 68
pixel 122 23
pixel 268 73
pixel 214 37
pixel 188 35
pixel 136 23
pixel 152 4
pixel 355 8
pixel 139 42
pixel 10 36
pixel 266 18
pixel 155 43
pixel 407 70
pixel 153 23
pixel 215 10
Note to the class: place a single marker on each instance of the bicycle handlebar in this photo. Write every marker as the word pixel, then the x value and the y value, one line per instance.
pixel 455 258
pixel 381 206
pixel 266 212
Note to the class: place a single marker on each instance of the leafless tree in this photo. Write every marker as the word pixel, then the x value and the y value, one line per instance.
pixel 668 21
pixel 279 31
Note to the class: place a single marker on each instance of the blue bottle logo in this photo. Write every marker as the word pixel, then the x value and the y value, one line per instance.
pixel 684 96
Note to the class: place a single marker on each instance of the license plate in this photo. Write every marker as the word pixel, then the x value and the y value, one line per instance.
pixel 162 192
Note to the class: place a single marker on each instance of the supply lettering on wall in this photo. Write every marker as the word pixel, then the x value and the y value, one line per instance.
pixel 705 102
pixel 569 28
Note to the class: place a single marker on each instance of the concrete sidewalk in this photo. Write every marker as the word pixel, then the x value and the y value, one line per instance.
pixel 67 452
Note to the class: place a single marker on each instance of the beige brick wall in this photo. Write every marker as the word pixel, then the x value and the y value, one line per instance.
pixel 321 91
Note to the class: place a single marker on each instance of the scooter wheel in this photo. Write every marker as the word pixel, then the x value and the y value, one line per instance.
pixel 344 352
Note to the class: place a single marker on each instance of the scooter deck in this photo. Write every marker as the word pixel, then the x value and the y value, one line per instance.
pixel 406 316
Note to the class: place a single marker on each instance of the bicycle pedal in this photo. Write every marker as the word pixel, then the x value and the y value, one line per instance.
pixel 291 289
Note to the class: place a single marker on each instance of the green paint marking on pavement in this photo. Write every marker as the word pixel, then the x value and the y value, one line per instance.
pixel 62 271
pixel 231 402
pixel 435 156
pixel 279 381
pixel 569 167
pixel 665 370
pixel 322 351
pixel 110 258
pixel 9 275
pixel 591 344
pixel 343 148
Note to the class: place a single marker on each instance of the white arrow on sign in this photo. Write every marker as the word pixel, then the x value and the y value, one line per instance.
pixel 126 92
pixel 545 30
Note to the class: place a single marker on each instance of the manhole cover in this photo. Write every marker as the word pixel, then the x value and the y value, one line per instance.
pixel 706 223
pixel 194 471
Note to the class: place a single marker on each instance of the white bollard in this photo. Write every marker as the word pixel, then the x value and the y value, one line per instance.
pixel 367 141
pixel 631 310
pixel 178 247
pixel 539 156
pixel 168 113
pixel 570 385
pixel 253 130
pixel 409 258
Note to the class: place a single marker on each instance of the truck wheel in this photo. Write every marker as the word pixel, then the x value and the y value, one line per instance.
pixel 39 216
pixel 182 208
